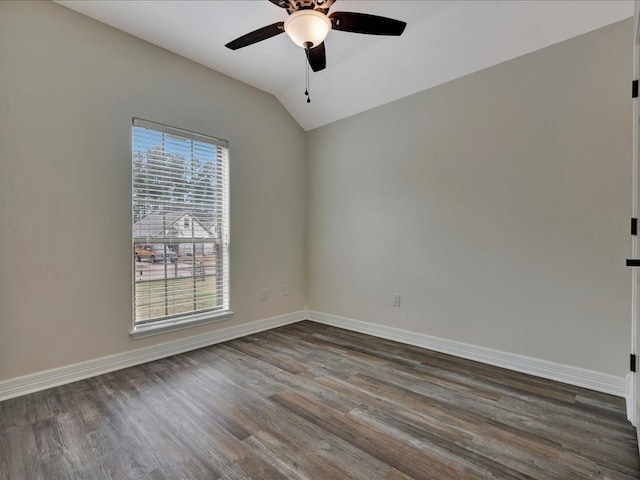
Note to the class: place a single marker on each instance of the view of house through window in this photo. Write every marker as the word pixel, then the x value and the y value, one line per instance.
pixel 180 224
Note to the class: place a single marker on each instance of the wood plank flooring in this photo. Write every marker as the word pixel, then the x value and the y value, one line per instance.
pixel 308 401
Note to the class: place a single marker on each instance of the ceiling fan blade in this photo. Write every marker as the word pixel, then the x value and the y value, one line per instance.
pixel 257 36
pixel 317 58
pixel 365 23
pixel 280 3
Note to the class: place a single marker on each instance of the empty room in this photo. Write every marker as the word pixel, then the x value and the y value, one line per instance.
pixel 319 239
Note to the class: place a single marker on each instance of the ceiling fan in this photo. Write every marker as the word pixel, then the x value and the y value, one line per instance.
pixel 309 23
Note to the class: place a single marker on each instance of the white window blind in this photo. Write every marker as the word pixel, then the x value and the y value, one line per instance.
pixel 180 227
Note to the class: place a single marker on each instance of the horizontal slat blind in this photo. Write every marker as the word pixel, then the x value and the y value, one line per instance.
pixel 180 223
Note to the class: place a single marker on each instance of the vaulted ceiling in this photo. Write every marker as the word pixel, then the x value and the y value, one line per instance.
pixel 443 40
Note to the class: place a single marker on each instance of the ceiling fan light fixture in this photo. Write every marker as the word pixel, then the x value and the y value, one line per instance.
pixel 307 26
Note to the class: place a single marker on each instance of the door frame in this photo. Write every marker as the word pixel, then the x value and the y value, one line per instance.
pixel 633 386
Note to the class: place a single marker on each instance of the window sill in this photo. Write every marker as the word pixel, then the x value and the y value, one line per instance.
pixel 172 325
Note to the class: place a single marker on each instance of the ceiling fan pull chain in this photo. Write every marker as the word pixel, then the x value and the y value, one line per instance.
pixel 306 91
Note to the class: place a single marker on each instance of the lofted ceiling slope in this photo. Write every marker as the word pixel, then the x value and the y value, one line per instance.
pixel 443 40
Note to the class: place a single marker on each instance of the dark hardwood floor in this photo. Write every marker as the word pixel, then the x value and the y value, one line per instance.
pixel 308 401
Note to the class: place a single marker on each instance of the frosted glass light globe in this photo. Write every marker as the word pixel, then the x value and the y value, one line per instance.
pixel 306 26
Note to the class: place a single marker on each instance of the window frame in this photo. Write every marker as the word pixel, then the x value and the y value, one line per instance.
pixel 141 329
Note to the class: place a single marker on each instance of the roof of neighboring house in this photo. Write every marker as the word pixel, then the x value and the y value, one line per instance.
pixel 156 223
pixel 207 220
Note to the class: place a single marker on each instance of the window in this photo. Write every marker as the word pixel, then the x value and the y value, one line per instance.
pixel 180 228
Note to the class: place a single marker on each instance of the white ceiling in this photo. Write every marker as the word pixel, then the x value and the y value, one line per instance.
pixel 443 40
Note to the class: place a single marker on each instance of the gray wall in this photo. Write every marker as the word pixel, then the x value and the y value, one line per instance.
pixel 69 87
pixel 496 204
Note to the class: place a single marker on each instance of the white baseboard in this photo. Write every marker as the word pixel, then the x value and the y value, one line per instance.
pixel 600 382
pixel 597 381
pixel 630 399
pixel 16 387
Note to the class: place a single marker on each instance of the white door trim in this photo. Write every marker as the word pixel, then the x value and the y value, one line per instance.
pixel 633 410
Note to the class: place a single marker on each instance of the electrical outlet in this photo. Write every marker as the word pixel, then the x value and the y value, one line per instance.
pixel 285 290
pixel 265 294
pixel 396 299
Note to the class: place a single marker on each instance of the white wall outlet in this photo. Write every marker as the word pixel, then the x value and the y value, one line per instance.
pixel 396 299
pixel 285 290
pixel 265 294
